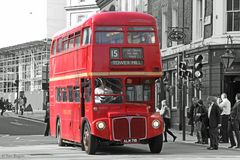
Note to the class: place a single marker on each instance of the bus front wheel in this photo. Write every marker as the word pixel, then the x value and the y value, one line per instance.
pixel 89 141
pixel 59 136
pixel 156 143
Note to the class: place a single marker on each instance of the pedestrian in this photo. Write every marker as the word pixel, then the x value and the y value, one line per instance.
pixel 214 122
pixel 225 106
pixel 46 120
pixel 234 123
pixel 22 103
pixel 191 114
pixel 204 120
pixel 2 106
pixel 166 114
pixel 199 112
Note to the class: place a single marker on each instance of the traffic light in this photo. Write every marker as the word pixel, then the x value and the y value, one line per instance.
pixel 198 66
pixel 189 73
pixel 182 69
pixel 16 83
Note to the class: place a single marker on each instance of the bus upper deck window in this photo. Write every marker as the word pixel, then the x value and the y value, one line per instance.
pixel 77 39
pixel 71 41
pixel 65 43
pixel 59 48
pixel 109 35
pixel 54 48
pixel 87 32
pixel 142 35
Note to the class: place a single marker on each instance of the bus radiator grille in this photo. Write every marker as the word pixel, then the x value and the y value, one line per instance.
pixel 132 127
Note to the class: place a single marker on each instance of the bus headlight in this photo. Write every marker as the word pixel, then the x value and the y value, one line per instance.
pixel 155 124
pixel 100 125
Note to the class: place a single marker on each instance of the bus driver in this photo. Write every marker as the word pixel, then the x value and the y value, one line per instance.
pixel 102 89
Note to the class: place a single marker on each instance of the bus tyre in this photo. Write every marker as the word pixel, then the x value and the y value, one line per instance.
pixel 59 137
pixel 156 143
pixel 89 141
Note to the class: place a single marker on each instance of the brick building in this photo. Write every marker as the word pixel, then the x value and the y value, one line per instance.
pixel 211 27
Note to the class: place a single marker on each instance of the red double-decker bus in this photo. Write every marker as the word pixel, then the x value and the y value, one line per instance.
pixel 102 82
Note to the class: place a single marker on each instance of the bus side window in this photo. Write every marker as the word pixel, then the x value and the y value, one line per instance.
pixel 65 43
pixel 59 45
pixel 70 93
pixel 77 39
pixel 86 84
pixel 58 94
pixel 76 94
pixel 88 91
pixel 64 95
pixel 71 41
pixel 86 36
pixel 54 47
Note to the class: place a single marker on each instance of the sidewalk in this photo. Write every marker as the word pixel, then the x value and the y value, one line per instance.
pixel 192 139
pixel 35 115
pixel 39 116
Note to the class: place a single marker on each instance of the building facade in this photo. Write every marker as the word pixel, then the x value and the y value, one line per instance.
pixel 211 28
pixel 123 5
pixel 24 62
pixel 79 10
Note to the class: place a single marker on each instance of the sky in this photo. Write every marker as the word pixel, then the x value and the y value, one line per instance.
pixel 22 21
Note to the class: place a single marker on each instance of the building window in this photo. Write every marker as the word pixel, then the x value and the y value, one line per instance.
pixel 164 31
pixel 80 18
pixel 198 15
pixel 233 15
pixel 175 19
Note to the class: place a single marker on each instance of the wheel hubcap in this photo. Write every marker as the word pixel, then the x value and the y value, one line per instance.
pixel 58 134
pixel 86 138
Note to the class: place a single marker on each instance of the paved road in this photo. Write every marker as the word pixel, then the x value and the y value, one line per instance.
pixel 29 143
pixel 39 147
pixel 20 126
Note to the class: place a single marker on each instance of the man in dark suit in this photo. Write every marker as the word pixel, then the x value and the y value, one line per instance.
pixel 234 123
pixel 214 122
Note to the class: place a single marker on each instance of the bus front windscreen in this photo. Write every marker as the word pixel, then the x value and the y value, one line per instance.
pixel 137 90
pixel 108 90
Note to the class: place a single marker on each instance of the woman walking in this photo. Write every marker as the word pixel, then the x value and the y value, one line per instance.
pixel 166 114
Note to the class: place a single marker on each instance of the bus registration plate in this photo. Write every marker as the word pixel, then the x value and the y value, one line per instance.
pixel 130 140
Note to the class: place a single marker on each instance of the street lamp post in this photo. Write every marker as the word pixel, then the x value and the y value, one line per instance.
pixel 228 57
pixel 17 89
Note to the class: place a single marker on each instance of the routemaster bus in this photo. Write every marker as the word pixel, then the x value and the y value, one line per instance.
pixel 102 82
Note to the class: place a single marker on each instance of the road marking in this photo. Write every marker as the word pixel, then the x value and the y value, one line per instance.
pixel 16 123
pixel 4 135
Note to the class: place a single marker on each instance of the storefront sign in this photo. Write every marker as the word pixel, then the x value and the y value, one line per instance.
pixel 176 36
